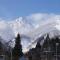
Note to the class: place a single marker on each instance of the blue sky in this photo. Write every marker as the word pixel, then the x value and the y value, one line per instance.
pixel 10 9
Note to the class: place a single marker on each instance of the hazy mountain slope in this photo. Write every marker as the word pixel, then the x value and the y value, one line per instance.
pixel 30 27
pixel 49 28
pixel 42 29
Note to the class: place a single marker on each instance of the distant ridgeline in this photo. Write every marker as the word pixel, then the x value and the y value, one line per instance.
pixel 50 50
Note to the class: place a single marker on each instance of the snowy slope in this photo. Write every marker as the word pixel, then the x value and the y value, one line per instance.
pixel 51 27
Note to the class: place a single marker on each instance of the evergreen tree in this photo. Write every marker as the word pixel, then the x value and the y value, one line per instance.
pixel 17 51
pixel 56 45
pixel 38 45
pixel 38 51
pixel 46 43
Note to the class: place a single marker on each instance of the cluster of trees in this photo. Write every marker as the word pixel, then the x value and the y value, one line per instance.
pixel 11 53
pixel 50 49
pixel 52 44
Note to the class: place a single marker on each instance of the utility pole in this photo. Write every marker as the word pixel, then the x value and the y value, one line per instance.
pixel 56 49
pixel 11 53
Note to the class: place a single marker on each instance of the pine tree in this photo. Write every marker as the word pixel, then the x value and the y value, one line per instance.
pixel 17 51
pixel 38 51
pixel 38 45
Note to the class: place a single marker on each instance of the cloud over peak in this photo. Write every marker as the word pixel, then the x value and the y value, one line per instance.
pixel 24 25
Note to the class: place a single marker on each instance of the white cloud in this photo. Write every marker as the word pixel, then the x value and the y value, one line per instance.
pixel 6 31
pixel 40 18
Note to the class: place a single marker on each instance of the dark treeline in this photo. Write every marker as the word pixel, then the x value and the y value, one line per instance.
pixel 50 50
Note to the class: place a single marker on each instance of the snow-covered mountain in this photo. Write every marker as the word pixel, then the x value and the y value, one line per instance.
pixel 30 27
pixel 51 28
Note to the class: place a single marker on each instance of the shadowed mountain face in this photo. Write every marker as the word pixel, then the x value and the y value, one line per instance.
pixel 40 37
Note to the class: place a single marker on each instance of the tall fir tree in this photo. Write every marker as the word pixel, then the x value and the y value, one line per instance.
pixel 17 51
pixel 38 45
